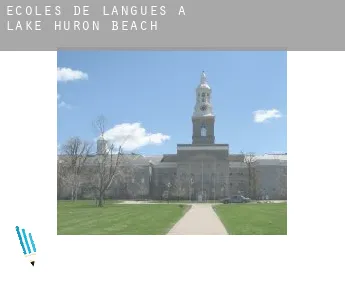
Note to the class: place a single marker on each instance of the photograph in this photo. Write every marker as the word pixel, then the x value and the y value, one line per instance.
pixel 171 142
pixel 125 122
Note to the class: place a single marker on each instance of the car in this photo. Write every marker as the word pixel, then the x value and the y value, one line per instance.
pixel 236 199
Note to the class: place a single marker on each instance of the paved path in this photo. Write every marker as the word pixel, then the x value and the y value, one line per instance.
pixel 199 220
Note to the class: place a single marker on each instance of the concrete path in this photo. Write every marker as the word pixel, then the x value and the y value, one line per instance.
pixel 199 220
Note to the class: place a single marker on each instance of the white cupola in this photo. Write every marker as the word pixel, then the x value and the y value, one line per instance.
pixel 203 103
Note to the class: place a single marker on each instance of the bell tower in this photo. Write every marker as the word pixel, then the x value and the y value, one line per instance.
pixel 203 117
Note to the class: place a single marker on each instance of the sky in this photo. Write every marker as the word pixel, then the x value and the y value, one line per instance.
pixel 149 97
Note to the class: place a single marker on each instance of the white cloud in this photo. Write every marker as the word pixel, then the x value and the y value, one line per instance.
pixel 264 115
pixel 63 104
pixel 133 136
pixel 67 74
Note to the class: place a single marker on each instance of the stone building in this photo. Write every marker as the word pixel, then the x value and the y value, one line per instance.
pixel 202 170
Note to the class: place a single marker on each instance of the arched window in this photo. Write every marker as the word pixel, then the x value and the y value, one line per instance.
pixel 203 131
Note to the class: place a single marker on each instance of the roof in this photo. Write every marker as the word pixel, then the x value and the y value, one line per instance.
pixel 204 85
pixel 155 159
pixel 282 157
pixel 137 159
pixel 169 158
pixel 236 158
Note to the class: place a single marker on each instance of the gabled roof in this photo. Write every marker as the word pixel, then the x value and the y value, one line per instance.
pixel 169 158
pixel 155 159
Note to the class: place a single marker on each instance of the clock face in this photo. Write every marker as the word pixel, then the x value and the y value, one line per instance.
pixel 203 108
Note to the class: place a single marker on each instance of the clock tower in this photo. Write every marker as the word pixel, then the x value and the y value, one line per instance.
pixel 203 117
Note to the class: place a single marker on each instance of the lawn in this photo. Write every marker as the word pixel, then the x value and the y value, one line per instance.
pixel 84 218
pixel 254 219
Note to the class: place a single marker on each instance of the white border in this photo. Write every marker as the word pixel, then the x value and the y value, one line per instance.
pixel 316 92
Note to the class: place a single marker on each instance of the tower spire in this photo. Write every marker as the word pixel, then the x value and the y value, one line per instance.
pixel 203 104
pixel 203 117
pixel 101 145
pixel 203 79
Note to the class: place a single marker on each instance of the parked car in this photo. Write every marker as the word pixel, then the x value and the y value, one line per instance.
pixel 236 199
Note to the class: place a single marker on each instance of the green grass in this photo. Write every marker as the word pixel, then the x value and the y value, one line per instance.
pixel 84 218
pixel 254 219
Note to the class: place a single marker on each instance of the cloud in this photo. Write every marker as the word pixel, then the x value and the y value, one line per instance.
pixel 264 115
pixel 67 74
pixel 63 104
pixel 133 136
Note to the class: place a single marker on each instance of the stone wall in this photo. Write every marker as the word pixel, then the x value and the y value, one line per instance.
pixel 272 181
pixel 219 179
pixel 134 186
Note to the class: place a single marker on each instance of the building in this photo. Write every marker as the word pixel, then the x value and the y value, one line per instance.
pixel 202 170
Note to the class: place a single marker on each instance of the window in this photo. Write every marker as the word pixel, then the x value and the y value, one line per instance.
pixel 203 99
pixel 203 130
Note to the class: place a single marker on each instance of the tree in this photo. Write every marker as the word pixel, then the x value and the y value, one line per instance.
pixel 110 164
pixel 99 124
pixel 70 167
pixel 107 166
pixel 178 184
pixel 60 178
pixel 123 178
pixel 250 159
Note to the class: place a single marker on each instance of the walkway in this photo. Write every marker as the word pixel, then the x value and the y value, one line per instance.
pixel 199 220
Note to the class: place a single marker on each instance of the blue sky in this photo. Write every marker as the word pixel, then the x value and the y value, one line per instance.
pixel 151 94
